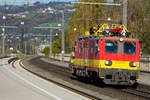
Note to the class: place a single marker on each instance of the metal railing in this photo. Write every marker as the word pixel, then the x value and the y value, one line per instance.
pixel 145 63
pixel 66 57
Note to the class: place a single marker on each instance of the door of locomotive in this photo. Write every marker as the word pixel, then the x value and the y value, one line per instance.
pixel 97 54
pixel 85 53
pixel 97 48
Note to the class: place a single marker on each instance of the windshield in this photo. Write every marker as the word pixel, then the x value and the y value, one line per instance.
pixel 111 46
pixel 129 48
pixel 120 47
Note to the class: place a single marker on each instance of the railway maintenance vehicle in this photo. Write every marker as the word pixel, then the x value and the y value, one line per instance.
pixel 109 53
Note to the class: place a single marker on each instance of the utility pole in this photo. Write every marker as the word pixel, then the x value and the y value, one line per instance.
pixel 22 36
pixel 19 48
pixel 30 49
pixel 3 41
pixel 63 36
pixel 51 33
pixel 124 19
pixel 33 50
pixel 25 48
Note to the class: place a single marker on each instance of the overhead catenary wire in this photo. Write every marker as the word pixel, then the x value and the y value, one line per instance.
pixel 96 3
pixel 124 19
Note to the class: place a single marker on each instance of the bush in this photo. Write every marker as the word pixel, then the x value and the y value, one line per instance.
pixel 46 51
pixel 56 45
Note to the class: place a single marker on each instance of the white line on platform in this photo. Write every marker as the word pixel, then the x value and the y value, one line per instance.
pixel 35 86
pixel 60 87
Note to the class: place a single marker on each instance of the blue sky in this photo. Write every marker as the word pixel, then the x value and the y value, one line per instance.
pixel 38 0
pixel 2 2
pixel 45 1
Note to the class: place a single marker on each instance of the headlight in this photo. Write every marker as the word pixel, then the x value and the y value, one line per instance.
pixel 108 62
pixel 133 64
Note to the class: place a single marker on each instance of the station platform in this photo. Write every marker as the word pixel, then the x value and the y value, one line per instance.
pixel 144 78
pixel 19 84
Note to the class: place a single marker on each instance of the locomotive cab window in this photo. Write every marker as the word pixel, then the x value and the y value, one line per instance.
pixel 130 48
pixel 111 46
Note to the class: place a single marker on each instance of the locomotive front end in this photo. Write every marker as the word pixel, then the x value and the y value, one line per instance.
pixel 119 61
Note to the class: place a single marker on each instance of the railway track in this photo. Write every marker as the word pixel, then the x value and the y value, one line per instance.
pixel 138 93
pixel 92 97
pixel 121 93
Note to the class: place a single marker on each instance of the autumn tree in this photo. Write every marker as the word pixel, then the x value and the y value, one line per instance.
pixel 146 30
pixel 83 18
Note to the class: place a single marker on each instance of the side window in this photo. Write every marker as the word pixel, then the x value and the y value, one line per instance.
pixel 80 47
pixel 86 44
pixel 93 46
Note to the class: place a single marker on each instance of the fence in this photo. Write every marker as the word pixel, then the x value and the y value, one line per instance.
pixel 59 57
pixel 145 63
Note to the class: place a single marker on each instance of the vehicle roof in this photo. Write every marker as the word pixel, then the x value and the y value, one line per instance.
pixel 124 38
pixel 114 38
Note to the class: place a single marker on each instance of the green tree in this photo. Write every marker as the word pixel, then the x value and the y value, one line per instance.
pixel 56 45
pixel 46 51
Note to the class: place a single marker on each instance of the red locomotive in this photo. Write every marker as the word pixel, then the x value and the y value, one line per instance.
pixel 109 54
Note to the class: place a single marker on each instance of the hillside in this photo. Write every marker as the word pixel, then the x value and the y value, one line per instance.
pixel 38 14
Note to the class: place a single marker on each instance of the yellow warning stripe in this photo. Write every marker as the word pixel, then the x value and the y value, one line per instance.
pixel 101 64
